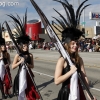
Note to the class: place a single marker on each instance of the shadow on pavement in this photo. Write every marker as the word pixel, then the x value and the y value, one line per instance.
pixel 43 85
pixel 54 99
pixel 92 83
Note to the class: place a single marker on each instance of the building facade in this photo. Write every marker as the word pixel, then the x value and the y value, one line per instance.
pixel 40 33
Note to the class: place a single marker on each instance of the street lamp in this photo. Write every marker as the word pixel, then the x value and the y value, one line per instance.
pixel 78 2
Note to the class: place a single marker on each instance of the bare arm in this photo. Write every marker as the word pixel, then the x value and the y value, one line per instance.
pixel 16 62
pixel 59 78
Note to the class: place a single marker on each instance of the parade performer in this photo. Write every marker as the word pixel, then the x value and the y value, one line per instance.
pixel 71 89
pixel 23 82
pixel 72 24
pixel 5 74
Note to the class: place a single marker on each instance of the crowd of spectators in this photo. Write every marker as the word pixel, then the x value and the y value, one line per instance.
pixel 89 45
pixel 84 45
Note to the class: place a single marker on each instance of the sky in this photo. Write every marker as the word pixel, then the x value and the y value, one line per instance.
pixel 19 7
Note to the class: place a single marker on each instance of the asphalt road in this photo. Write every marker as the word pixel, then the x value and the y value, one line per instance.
pixel 45 62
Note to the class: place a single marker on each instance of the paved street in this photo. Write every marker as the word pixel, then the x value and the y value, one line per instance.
pixel 45 62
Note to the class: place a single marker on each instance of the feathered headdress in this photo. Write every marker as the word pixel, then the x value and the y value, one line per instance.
pixel 70 26
pixel 2 40
pixel 20 27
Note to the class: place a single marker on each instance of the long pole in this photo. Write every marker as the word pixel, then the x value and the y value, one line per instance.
pixel 84 18
pixel 73 3
pixel 78 2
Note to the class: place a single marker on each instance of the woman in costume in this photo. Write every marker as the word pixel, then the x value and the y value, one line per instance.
pixel 63 71
pixel 5 57
pixel 23 83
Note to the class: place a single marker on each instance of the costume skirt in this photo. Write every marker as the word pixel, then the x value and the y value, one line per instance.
pixel 7 79
pixel 31 93
pixel 65 90
pixel 63 93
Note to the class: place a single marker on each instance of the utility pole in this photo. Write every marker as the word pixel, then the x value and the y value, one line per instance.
pixel 84 18
pixel 73 3
pixel 78 2
pixel 84 22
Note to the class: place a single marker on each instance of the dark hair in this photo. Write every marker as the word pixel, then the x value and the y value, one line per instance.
pixel 5 53
pixel 21 46
pixel 74 55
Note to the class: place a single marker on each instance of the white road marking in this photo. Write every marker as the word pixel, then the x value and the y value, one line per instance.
pixel 53 77
pixel 43 74
pixel 95 89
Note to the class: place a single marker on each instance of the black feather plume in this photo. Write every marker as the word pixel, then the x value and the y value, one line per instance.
pixel 71 24
pixel 20 26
